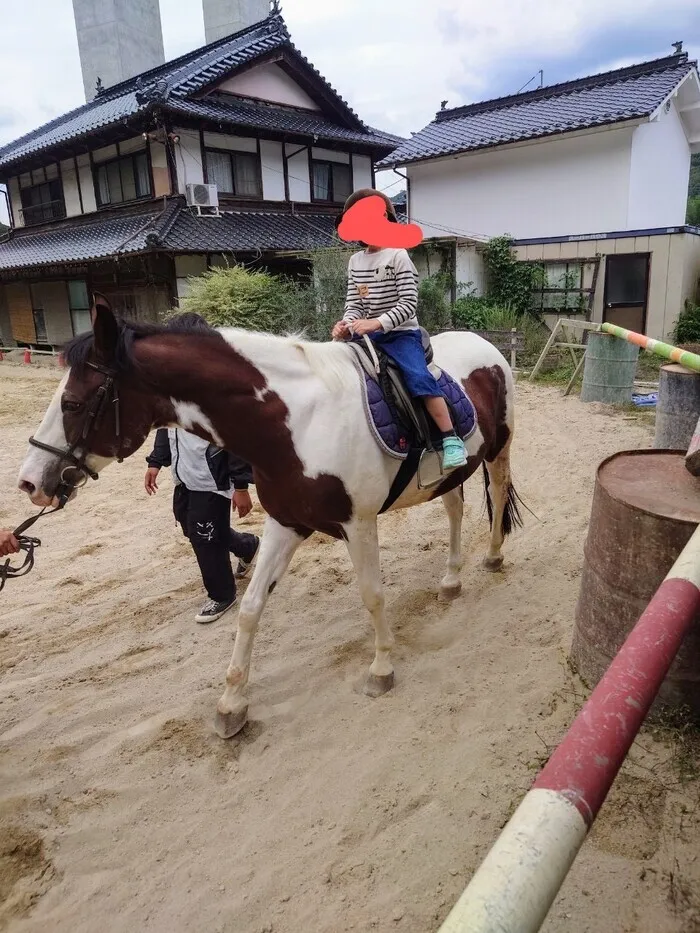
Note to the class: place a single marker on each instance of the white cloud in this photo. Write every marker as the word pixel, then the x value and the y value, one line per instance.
pixel 392 60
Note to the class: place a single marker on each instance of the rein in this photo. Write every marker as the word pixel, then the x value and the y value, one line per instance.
pixel 106 396
pixel 26 544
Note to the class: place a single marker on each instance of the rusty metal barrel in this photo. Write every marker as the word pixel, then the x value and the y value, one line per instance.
pixel 646 506
pixel 678 408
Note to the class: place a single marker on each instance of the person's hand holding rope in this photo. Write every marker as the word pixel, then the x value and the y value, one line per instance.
pixel 12 542
pixel 8 543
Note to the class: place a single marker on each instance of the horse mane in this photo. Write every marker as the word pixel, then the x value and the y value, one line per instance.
pixel 329 361
pixel 76 352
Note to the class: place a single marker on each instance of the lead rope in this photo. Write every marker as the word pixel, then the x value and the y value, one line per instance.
pixel 26 544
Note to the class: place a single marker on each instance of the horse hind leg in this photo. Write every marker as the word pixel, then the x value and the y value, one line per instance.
pixel 502 503
pixel 451 585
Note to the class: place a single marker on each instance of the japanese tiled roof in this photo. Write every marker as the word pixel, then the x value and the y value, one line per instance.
pixel 611 97
pixel 175 229
pixel 260 116
pixel 79 241
pixel 250 231
pixel 170 86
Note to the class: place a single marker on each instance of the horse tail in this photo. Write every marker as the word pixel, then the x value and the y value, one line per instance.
pixel 512 516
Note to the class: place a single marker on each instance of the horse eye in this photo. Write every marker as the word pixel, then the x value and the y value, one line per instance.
pixel 70 406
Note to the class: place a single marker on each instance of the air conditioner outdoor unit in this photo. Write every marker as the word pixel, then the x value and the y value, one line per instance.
pixel 203 198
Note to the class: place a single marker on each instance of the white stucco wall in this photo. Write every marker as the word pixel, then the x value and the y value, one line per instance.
pixel 16 201
pixel 572 185
pixel 188 159
pixel 660 167
pixel 298 172
pixel 71 192
pixel 361 172
pixel 268 82
pixel 272 165
pixel 226 141
pixel 87 184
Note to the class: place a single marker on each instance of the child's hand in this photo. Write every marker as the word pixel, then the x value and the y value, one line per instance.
pixel 340 331
pixel 359 328
pixel 151 481
pixel 241 502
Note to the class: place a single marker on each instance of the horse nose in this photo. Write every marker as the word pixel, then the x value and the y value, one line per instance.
pixel 27 487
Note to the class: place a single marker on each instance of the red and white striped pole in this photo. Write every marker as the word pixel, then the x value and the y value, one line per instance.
pixel 517 882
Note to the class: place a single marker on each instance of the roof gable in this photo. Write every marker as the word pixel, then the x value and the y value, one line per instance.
pixel 181 80
pixel 269 83
pixel 607 98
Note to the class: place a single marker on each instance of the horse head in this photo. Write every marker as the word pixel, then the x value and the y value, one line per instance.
pixel 100 413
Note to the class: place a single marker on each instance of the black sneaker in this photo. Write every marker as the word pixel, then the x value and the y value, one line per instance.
pixel 245 565
pixel 211 610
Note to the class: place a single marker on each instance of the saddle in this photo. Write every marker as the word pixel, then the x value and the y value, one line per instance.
pixel 400 424
pixel 407 413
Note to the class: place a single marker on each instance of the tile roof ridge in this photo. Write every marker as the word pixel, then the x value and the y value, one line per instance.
pixel 601 79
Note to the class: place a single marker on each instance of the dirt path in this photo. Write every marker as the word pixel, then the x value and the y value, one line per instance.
pixel 121 811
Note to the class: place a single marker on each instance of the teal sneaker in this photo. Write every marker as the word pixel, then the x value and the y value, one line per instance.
pixel 453 453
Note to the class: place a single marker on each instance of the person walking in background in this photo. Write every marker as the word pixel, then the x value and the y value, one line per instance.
pixel 209 481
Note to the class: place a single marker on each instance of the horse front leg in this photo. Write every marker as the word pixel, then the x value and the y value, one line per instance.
pixel 276 550
pixel 451 585
pixel 363 545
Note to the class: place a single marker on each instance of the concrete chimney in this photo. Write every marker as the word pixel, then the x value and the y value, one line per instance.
pixel 117 39
pixel 224 17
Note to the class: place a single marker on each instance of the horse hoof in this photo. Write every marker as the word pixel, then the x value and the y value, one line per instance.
pixel 448 593
pixel 492 564
pixel 377 685
pixel 229 724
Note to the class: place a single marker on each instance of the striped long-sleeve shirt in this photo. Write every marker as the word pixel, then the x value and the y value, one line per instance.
pixel 383 285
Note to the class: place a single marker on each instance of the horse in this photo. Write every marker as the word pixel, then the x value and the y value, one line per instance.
pixel 293 409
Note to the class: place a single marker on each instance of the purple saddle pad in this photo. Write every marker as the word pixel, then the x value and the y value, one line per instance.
pixel 391 436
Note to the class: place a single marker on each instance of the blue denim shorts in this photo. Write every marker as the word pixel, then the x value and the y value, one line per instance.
pixel 405 348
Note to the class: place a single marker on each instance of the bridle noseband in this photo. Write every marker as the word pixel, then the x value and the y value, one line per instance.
pixel 107 395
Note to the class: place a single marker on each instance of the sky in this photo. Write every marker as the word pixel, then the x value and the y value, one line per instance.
pixel 394 61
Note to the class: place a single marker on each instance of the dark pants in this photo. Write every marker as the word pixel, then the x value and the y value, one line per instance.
pixel 205 518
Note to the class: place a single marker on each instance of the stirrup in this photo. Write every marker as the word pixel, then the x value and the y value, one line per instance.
pixel 438 458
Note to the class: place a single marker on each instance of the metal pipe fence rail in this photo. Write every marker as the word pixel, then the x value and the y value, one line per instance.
pixel 520 877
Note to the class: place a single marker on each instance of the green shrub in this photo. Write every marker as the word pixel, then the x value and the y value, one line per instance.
pixel 470 311
pixel 257 300
pixel 238 297
pixel 687 329
pixel 433 302
pixel 510 282
pixel 692 216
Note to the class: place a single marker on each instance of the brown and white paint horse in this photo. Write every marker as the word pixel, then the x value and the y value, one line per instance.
pixel 294 410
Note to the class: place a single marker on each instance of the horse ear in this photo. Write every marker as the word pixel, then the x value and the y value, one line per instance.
pixel 105 329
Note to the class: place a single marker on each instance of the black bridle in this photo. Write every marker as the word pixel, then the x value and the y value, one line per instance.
pixel 75 455
pixel 107 395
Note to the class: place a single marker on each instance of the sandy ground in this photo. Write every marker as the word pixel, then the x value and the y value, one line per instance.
pixel 120 810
